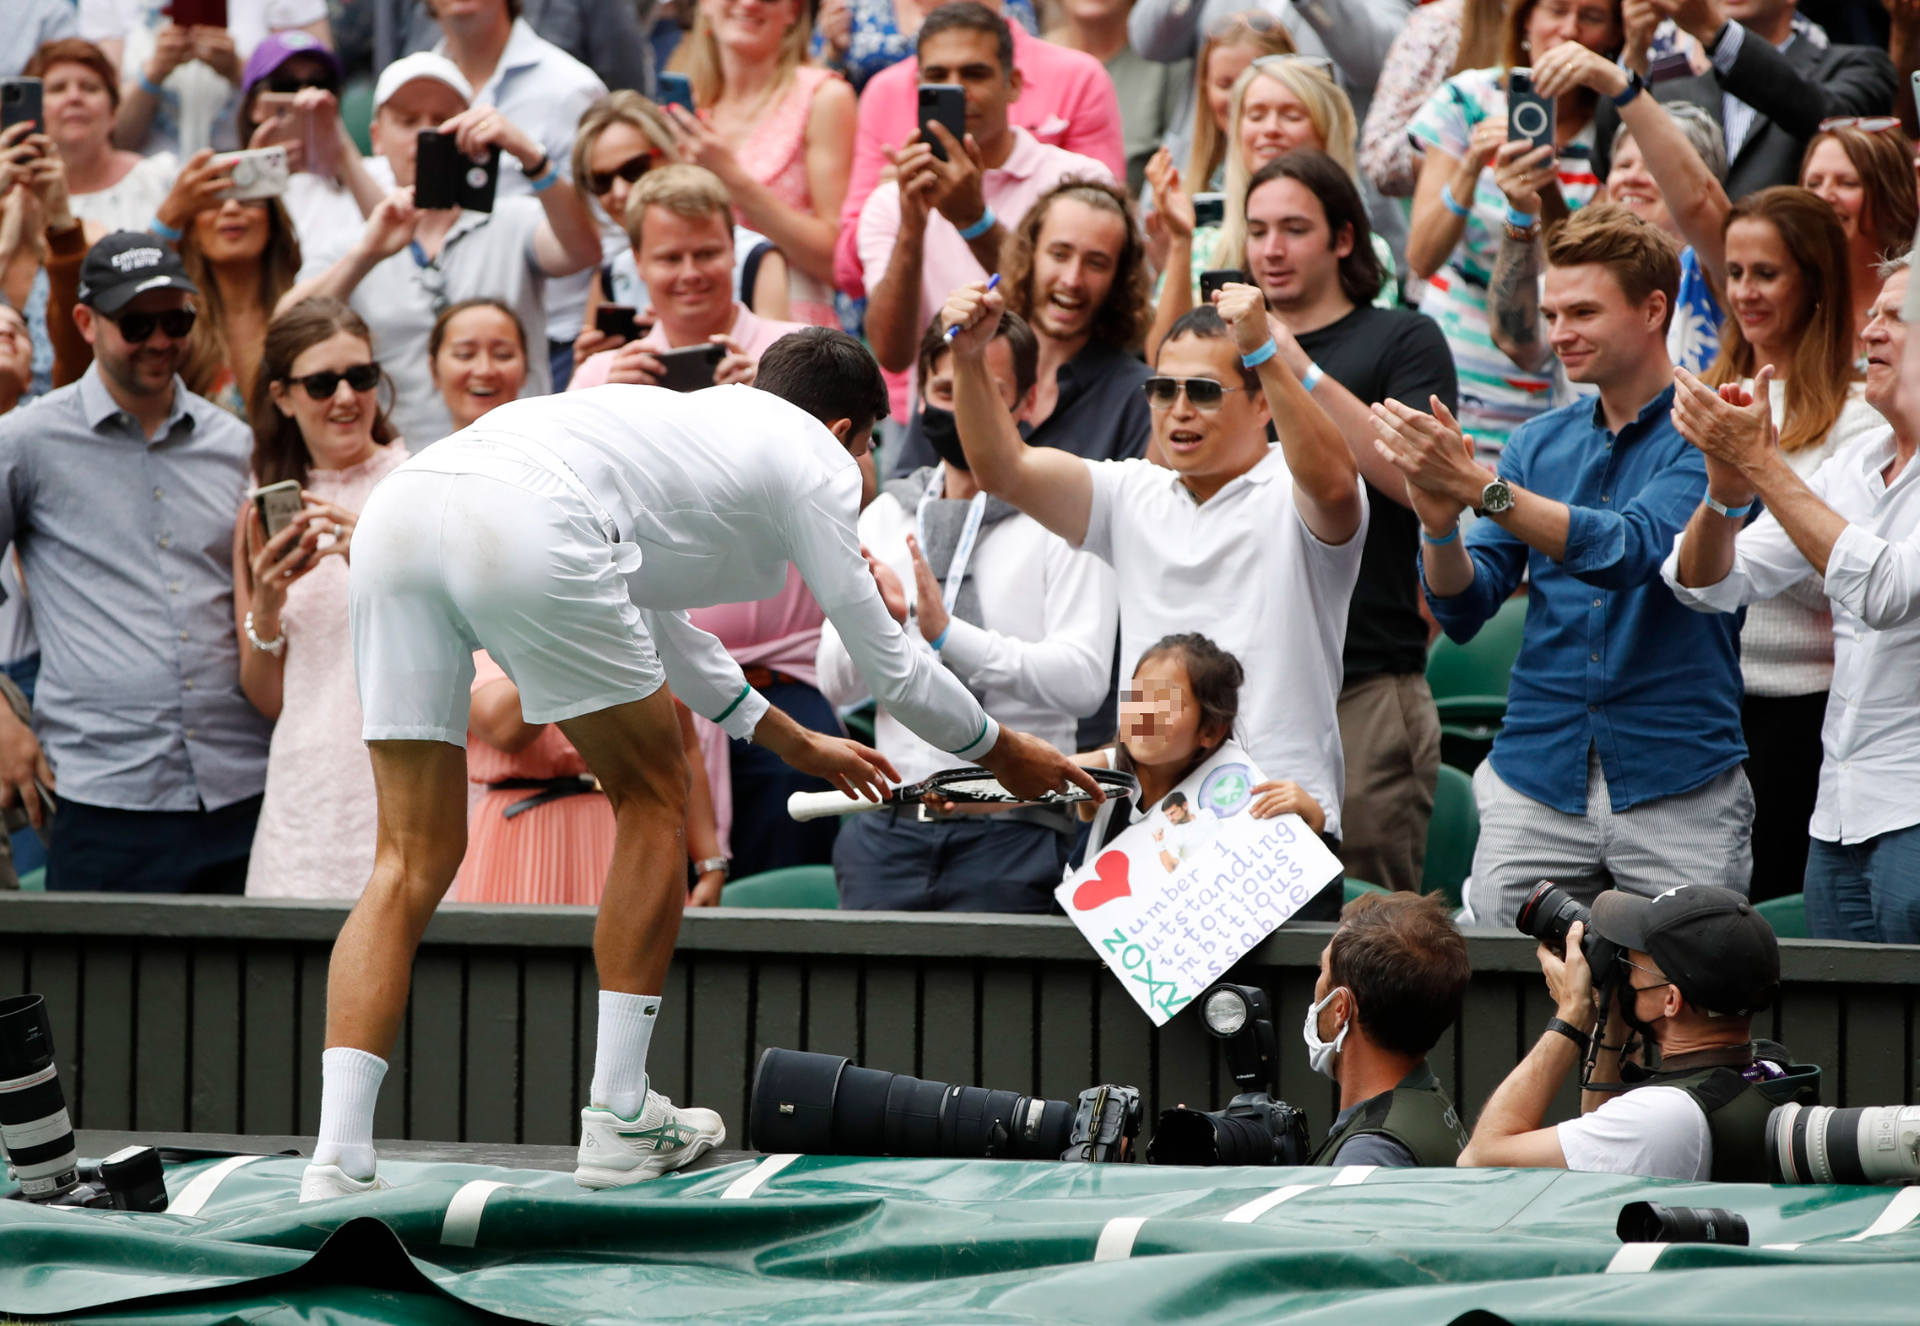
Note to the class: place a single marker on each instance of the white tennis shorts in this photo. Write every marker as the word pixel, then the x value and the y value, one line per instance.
pixel 474 545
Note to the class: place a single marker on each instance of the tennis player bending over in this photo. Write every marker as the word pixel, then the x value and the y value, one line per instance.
pixel 567 536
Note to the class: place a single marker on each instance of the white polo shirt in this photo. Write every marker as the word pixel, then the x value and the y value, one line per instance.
pixel 486 253
pixel 1042 655
pixel 1244 570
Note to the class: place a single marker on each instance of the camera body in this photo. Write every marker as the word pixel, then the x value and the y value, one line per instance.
pixel 1254 1129
pixel 1549 914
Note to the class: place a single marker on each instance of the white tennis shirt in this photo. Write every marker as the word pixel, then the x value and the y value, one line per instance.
pixel 716 491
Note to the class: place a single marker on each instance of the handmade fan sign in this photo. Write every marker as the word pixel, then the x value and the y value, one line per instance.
pixel 1177 898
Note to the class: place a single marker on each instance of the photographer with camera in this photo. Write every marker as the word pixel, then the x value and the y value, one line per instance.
pixel 1391 981
pixel 1686 971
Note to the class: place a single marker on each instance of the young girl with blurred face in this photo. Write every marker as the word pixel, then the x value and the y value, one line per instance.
pixel 477 353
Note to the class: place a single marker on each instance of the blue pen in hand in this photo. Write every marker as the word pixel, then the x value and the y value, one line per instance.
pixel 954 330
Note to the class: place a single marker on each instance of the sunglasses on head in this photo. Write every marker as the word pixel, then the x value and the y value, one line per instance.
pixel 1866 124
pixel 1257 21
pixel 1320 64
pixel 287 84
pixel 1204 393
pixel 600 185
pixel 321 386
pixel 138 327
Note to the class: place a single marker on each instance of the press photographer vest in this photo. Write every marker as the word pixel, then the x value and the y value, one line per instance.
pixel 1418 1114
pixel 1737 1109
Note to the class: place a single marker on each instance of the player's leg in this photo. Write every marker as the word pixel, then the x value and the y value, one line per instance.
pixel 627 1132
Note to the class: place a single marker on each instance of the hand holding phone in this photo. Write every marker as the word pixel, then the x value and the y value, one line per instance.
pixel 675 90
pixel 617 320
pixel 691 367
pixel 277 505
pixel 444 176
pixel 1529 115
pixel 20 103
pixel 1219 279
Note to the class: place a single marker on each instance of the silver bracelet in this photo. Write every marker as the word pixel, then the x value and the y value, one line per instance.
pixel 275 647
pixel 711 863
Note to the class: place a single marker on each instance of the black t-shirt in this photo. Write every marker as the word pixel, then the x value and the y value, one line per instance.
pixel 1377 354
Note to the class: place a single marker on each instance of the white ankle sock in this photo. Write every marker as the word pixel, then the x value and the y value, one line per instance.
pixel 620 1052
pixel 349 1086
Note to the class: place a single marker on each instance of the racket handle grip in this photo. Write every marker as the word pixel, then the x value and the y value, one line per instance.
pixel 804 806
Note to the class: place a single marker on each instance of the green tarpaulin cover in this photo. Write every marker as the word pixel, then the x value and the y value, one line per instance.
pixel 803 1240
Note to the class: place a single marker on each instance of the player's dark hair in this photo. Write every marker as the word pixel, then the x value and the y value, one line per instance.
pixel 1206 324
pixel 1174 799
pixel 1013 329
pixel 1213 675
pixel 828 374
pixel 968 16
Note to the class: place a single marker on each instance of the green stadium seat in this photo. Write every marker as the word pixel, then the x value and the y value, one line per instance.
pixel 860 722
pixel 356 112
pixel 34 881
pixel 1359 888
pixel 1787 916
pixel 1451 835
pixel 1469 685
pixel 792 886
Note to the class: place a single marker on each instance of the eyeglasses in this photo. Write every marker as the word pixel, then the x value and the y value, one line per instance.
pixel 136 328
pixel 1202 393
pixel 1866 124
pixel 600 185
pixel 1320 64
pixel 321 386
pixel 287 84
pixel 1256 21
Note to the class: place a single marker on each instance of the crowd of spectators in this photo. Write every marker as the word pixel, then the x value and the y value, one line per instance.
pixel 1233 352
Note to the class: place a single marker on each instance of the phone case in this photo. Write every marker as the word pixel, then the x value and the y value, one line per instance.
pixel 446 177
pixel 278 503
pixel 616 320
pixel 1211 281
pixel 1529 115
pixel 198 13
pixel 675 90
pixel 945 103
pixel 259 172
pixel 691 367
pixel 20 103
pixel 1209 209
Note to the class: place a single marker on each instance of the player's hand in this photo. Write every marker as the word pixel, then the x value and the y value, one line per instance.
pixel 857 770
pixel 976 311
pixel 1029 768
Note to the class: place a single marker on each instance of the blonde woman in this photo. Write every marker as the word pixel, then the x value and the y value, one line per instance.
pixel 778 133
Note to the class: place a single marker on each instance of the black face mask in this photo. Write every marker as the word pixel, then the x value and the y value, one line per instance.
pixel 943 435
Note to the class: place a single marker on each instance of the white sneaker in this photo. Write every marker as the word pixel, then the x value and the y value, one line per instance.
pixel 321 1183
pixel 615 1151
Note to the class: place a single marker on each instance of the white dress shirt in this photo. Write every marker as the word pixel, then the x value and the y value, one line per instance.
pixel 1870 773
pixel 712 493
pixel 1042 656
pixel 1244 570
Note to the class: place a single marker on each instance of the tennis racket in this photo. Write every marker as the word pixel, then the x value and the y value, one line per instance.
pixel 968 786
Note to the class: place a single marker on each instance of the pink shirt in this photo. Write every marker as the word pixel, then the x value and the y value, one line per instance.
pixel 1067 100
pixel 753 332
pixel 1032 168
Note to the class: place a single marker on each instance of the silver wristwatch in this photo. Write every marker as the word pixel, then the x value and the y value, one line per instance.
pixel 1495 498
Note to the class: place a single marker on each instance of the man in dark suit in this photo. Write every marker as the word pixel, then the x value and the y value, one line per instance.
pixel 1774 78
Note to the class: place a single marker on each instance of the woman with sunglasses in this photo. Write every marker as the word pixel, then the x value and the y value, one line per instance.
pixel 621 137
pixel 316 420
pixel 1460 215
pixel 1863 168
pixel 244 257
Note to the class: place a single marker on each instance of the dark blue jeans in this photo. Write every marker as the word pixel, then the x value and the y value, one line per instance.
pixel 893 862
pixel 1869 891
pixel 97 849
pixel 29 853
pixel 764 836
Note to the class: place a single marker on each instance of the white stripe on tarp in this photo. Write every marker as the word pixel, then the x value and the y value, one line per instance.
pixel 749 1183
pixel 199 1192
pixel 1352 1174
pixel 1116 1238
pixel 462 1226
pixel 1259 1206
pixel 1898 1215
pixel 1634 1257
pixel 1780 1247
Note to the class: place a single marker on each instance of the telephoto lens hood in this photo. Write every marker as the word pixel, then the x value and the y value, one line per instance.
pixel 1650 1222
pixel 34 1128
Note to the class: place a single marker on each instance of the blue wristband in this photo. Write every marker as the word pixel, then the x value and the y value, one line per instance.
pixel 941 639
pixel 151 88
pixel 1730 512
pixel 164 231
pixel 1311 378
pixel 1520 220
pixel 1451 203
pixel 548 178
pixel 982 226
pixel 1440 543
pixel 1260 356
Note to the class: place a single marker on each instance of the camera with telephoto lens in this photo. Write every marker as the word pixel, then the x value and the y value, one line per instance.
pixel 1548 915
pixel 1254 1129
pixel 1822 1144
pixel 823 1105
pixel 35 1131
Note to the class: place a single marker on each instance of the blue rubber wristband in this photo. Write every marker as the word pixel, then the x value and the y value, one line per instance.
pixel 1451 203
pixel 548 180
pixel 1311 378
pixel 1260 356
pixel 151 88
pixel 982 226
pixel 164 231
pixel 1440 543
pixel 1730 512
pixel 1520 220
pixel 941 639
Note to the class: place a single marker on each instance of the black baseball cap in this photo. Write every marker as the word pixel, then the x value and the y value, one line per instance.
pixel 129 263
pixel 1709 941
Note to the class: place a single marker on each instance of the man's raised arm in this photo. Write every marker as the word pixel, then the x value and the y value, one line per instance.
pixel 1050 485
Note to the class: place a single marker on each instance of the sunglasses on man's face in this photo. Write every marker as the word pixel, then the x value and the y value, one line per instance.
pixel 1203 393
pixel 321 386
pixel 600 185
pixel 138 327
pixel 288 84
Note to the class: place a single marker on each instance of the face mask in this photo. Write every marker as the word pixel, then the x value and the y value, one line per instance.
pixel 943 435
pixel 1320 1053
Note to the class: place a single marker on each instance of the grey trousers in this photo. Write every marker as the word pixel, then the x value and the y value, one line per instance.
pixel 1700 837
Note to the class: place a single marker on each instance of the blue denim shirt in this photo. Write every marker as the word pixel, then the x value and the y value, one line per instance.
pixel 1610 657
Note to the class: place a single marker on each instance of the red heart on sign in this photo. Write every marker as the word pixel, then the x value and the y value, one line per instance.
pixel 1109 882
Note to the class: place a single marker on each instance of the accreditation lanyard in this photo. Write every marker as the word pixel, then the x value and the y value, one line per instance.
pixel 963 550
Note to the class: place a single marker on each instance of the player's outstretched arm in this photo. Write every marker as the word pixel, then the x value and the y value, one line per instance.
pixel 1050 485
pixel 1028 767
pixel 859 771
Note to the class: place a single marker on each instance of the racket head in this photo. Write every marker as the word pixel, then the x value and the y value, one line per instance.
pixel 972 785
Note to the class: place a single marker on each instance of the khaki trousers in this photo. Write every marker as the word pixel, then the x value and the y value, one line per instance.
pixel 1391 735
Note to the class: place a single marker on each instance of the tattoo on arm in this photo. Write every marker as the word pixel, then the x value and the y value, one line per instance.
pixel 1513 295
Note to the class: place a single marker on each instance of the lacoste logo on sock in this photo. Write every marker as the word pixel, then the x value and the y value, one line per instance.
pixel 650 1009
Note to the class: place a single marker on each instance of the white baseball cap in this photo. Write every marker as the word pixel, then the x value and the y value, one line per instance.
pixel 421 64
